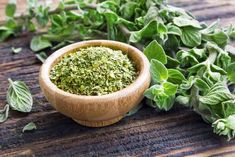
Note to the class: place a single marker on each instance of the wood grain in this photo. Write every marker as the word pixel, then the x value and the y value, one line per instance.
pixel 96 111
pixel 180 132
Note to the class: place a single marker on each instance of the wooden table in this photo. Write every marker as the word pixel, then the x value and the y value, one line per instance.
pixel 180 132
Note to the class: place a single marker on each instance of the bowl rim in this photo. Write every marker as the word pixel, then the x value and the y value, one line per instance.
pixel 141 78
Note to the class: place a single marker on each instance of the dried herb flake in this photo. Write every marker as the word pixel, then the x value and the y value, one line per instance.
pixel 94 71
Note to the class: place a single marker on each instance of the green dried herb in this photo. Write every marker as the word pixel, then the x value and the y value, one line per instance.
pixel 30 126
pixel 94 71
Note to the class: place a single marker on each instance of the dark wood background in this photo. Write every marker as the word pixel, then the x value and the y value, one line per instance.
pixel 179 132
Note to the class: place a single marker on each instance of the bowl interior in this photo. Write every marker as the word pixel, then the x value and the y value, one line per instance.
pixel 126 49
pixel 140 61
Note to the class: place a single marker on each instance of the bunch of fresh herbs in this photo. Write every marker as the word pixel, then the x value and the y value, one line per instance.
pixel 192 63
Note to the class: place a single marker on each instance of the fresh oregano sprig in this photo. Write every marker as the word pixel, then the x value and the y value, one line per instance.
pixel 204 85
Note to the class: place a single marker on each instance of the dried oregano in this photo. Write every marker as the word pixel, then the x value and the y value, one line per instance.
pixel 93 71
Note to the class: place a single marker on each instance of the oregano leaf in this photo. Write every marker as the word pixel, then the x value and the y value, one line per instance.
pixel 19 97
pixel 231 72
pixel 39 43
pixel 30 126
pixel 16 50
pixel 155 51
pixel 182 21
pixel 42 56
pixel 158 71
pixel 4 113
pixel 11 8
pixel 190 36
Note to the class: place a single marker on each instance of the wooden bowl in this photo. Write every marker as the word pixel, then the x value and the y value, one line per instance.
pixel 96 111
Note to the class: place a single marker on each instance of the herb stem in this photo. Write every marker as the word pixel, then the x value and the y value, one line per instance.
pixel 10 80
pixel 194 100
pixel 211 58
pixel 51 12
pixel 124 30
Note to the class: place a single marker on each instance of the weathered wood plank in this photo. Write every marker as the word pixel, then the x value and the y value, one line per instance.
pixel 179 132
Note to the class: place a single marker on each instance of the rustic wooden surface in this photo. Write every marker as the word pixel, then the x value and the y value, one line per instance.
pixel 179 132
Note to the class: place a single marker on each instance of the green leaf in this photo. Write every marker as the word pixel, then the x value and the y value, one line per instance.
pixel 200 53
pixel 32 3
pixel 228 107
pixel 225 126
pixel 222 59
pixel 216 68
pixel 196 68
pixel 31 26
pixel 152 15
pixel 61 5
pixel 188 83
pixel 172 63
pixel 231 122
pixel 231 31
pixel 39 43
pixel 211 28
pixel 16 50
pixel 153 2
pixel 174 30
pixel 218 37
pixel 42 56
pixel 201 85
pixel 11 8
pixel 190 36
pixel 172 43
pixel 170 88
pixel 149 93
pixel 162 99
pixel 176 11
pixel 158 71
pixel 218 93
pixel 161 28
pixel 42 15
pixel 186 58
pixel 231 72
pixel 128 9
pixel 11 24
pixel 182 21
pixel 164 102
pixel 107 6
pixel 155 51
pixel 4 113
pixel 5 32
pixel 183 100
pixel 19 97
pixel 158 93
pixel 30 126
pixel 111 29
pixel 146 32
pixel 175 76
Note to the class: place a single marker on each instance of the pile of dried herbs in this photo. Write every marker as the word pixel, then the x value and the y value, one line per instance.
pixel 93 71
pixel 192 63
